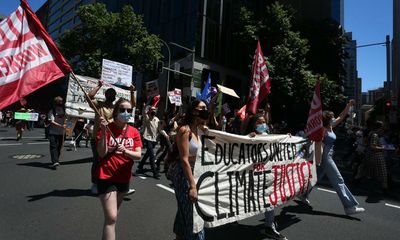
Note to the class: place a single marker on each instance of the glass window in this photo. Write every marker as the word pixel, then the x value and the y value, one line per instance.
pixel 54 15
pixel 68 15
pixel 70 4
pixel 66 26
pixel 53 26
pixel 56 4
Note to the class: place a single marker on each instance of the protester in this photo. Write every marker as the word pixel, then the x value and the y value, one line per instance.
pixel 151 130
pixel 328 165
pixel 88 132
pixel 188 143
pixel 377 163
pixel 20 125
pixel 56 117
pixel 258 127
pixel 165 142
pixel 116 157
pixel 78 131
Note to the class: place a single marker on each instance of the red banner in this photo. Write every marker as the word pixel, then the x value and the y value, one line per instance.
pixel 29 59
pixel 315 129
pixel 261 84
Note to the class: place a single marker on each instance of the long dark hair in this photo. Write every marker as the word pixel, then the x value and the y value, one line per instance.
pixel 251 126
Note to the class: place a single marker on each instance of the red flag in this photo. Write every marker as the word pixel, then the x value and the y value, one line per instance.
pixel 156 99
pixel 261 83
pixel 29 59
pixel 242 113
pixel 314 129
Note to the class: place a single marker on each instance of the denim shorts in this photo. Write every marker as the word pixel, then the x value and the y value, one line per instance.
pixel 106 186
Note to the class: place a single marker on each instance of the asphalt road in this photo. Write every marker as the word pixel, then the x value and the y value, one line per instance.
pixel 37 202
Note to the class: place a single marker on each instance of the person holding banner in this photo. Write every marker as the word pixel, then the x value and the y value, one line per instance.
pixel 116 158
pixel 56 117
pixel 258 126
pixel 188 143
pixel 328 165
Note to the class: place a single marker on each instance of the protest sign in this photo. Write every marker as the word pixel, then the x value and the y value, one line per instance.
pixel 116 73
pixel 178 96
pixel 171 96
pixel 228 91
pixel 152 89
pixel 76 104
pixel 239 177
pixel 26 116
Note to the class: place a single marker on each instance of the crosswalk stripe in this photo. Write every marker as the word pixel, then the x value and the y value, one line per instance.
pixel 391 205
pixel 165 188
pixel 326 190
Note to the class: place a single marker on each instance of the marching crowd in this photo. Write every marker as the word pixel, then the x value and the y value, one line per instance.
pixel 116 141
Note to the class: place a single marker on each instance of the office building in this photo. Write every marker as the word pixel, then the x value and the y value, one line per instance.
pixel 396 52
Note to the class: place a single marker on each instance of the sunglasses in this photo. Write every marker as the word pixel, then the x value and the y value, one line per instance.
pixel 129 110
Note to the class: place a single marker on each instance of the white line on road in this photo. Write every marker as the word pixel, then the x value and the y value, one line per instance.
pixel 13 138
pixel 326 190
pixel 10 144
pixel 166 188
pixel 142 177
pixel 38 143
pixel 391 205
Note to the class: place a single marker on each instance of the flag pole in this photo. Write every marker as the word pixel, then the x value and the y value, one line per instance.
pixel 92 104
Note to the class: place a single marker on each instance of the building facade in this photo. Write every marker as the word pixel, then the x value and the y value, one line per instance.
pixel 396 52
pixel 350 64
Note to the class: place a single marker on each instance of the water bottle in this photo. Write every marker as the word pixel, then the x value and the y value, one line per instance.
pixel 223 123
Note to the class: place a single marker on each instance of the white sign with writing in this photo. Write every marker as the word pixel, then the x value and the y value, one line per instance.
pixel 238 176
pixel 116 73
pixel 76 104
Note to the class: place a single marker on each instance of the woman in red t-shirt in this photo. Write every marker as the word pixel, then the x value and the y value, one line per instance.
pixel 115 162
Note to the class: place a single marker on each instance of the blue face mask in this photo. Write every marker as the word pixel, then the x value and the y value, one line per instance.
pixel 261 128
pixel 124 116
pixel 333 121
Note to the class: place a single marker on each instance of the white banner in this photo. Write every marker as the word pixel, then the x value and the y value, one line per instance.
pixel 76 104
pixel 116 73
pixel 178 97
pixel 239 177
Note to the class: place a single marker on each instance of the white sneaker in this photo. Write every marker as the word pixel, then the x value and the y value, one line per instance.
pixel 93 189
pixel 130 191
pixel 56 164
pixel 353 210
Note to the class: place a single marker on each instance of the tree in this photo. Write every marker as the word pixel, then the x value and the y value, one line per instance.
pixel 292 83
pixel 120 37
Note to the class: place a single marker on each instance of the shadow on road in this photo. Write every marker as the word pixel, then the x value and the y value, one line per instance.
pixel 48 165
pixel 308 210
pixel 236 231
pixel 62 193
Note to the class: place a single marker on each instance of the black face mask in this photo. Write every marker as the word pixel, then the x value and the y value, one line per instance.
pixel 203 114
pixel 152 114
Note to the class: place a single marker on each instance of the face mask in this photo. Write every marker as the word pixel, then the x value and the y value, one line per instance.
pixel 261 128
pixel 333 121
pixel 152 113
pixel 203 114
pixel 124 116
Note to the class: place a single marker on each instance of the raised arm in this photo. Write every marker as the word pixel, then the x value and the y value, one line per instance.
pixel 344 113
pixel 94 91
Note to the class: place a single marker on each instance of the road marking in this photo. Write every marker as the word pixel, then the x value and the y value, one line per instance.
pixel 142 177
pixel 166 188
pixel 38 143
pixel 13 138
pixel 10 144
pixel 326 190
pixel 391 205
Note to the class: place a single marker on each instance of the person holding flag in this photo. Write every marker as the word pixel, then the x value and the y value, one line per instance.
pixel 206 93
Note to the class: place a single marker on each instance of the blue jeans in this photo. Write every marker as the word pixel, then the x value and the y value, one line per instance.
pixel 328 168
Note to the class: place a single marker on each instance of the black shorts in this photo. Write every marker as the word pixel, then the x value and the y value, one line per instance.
pixel 106 186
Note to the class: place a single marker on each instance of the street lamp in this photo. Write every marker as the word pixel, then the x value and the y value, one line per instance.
pixel 193 51
pixel 169 65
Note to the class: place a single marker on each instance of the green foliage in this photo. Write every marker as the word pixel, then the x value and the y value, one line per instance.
pixel 292 83
pixel 120 37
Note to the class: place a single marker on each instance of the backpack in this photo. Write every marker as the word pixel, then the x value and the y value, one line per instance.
pixel 172 158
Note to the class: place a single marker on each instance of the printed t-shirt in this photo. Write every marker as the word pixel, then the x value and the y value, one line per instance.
pixel 116 167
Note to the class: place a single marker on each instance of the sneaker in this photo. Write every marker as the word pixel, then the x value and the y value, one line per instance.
pixel 130 191
pixel 353 210
pixel 56 164
pixel 304 200
pixel 272 233
pixel 93 189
